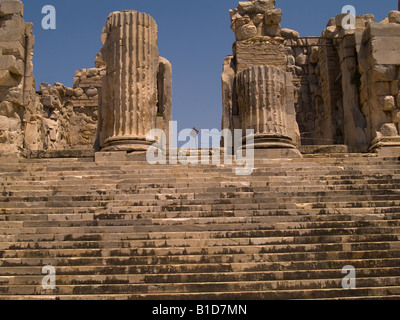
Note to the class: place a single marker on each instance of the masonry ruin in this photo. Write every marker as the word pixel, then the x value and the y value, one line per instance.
pixel 344 85
pixel 339 91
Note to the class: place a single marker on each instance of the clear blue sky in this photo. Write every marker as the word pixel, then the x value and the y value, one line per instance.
pixel 194 36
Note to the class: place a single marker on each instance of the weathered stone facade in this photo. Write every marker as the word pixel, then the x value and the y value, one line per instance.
pixel 345 81
pixel 342 88
pixel 17 87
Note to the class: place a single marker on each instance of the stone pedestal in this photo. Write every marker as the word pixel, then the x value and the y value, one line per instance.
pixel 128 105
pixel 264 106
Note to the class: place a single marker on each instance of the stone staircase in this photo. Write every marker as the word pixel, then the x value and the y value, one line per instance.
pixel 129 230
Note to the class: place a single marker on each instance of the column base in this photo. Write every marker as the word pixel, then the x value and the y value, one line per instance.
pixel 277 153
pixel 263 141
pixel 127 143
pixel 274 147
pixel 386 146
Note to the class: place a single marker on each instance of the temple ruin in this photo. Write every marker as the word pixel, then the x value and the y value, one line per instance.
pixel 339 89
pixel 77 196
pixel 344 85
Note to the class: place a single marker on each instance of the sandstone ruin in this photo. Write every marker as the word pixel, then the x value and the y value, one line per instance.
pixel 76 196
pixel 345 83
pixel 340 89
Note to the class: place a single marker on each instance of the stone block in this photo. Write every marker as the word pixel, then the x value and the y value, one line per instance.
pixel 11 7
pixel 388 130
pixel 258 6
pixel 9 124
pixel 339 19
pixel 273 30
pixel 7 80
pixel 386 50
pixel 384 73
pixel 382 88
pixel 389 103
pixel 110 156
pixel 394 17
pixel 394 87
pixel 273 17
pixel 251 53
pixel 289 34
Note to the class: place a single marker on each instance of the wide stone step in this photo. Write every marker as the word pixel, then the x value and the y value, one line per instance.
pixel 185 193
pixel 178 288
pixel 148 241
pixel 306 211
pixel 200 170
pixel 190 225
pixel 207 178
pixel 65 279
pixel 324 294
pixel 260 201
pixel 122 249
pixel 153 269
pixel 151 231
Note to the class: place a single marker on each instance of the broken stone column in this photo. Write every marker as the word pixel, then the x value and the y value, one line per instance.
pixel 17 88
pixel 129 101
pixel 257 91
pixel 263 106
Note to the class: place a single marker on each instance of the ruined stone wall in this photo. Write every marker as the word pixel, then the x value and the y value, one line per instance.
pixel 346 82
pixel 56 117
pixel 379 67
pixel 66 118
pixel 328 85
pixel 302 63
pixel 17 86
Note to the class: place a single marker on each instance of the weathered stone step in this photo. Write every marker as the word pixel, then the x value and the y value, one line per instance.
pixel 305 161
pixel 178 288
pixel 158 182
pixel 185 193
pixel 258 202
pixel 146 241
pixel 302 210
pixel 360 294
pixel 224 186
pixel 206 178
pixel 66 279
pixel 62 250
pixel 149 225
pixel 358 217
pixel 207 196
pixel 178 170
pixel 379 293
pixel 228 231
pixel 264 266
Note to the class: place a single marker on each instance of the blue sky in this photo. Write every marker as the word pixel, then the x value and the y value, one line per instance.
pixel 194 36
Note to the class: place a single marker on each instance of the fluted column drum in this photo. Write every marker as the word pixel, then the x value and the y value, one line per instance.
pixel 261 92
pixel 128 104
